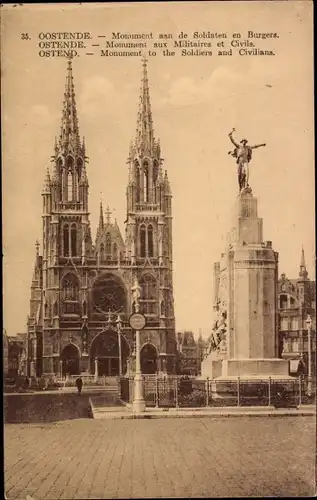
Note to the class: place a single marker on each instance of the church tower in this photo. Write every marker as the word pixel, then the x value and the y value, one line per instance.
pixel 66 238
pixel 303 286
pixel 149 228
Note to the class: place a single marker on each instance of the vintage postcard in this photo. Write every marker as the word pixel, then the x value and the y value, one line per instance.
pixel 158 249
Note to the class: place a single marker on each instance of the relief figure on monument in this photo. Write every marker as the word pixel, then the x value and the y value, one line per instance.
pixel 243 153
pixel 218 337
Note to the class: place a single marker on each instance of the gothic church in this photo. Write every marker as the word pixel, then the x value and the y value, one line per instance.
pixel 81 289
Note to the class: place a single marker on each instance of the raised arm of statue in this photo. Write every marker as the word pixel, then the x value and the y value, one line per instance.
pixel 232 139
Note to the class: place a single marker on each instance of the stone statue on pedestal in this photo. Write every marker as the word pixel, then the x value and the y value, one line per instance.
pixel 243 154
pixel 136 294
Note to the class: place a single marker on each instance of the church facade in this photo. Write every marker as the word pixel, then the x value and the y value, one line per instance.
pixel 81 288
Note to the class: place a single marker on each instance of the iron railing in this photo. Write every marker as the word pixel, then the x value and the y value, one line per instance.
pixel 189 392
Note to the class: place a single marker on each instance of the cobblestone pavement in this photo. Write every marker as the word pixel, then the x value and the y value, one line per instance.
pixel 201 457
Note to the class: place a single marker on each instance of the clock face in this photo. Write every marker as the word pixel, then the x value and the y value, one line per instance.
pixel 109 294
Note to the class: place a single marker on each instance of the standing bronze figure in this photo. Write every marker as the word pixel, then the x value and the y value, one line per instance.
pixel 243 154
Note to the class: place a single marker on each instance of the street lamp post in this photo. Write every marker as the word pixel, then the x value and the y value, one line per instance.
pixel 116 325
pixel 31 344
pixel 137 323
pixel 118 328
pixel 309 329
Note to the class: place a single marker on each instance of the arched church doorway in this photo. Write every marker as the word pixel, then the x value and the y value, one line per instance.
pixel 70 360
pixel 148 359
pixel 105 355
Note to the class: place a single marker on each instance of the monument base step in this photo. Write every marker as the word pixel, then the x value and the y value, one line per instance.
pixel 250 368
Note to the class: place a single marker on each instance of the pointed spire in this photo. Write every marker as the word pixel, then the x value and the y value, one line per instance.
pixel 47 183
pixel 37 247
pixel 302 260
pixel 167 183
pixel 160 176
pixel 108 215
pixel 144 131
pixel 69 128
pixel 36 270
pixel 101 222
pixel 158 148
pixel 84 177
pixel 303 274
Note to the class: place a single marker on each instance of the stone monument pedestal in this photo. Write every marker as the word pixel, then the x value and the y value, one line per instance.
pixel 246 303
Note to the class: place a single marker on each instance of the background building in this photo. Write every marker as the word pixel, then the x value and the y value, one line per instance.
pixel 16 354
pixel 297 300
pixel 80 288
pixel 189 353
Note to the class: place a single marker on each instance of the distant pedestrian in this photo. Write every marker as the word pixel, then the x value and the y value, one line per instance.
pixel 79 384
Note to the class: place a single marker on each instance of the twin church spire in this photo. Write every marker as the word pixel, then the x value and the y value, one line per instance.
pixel 144 140
pixel 69 135
pixel 68 183
pixel 147 187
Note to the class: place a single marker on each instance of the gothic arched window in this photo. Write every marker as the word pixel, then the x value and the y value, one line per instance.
pixel 102 252
pixel 115 250
pixel 79 167
pixel 73 238
pixel 155 177
pixel 108 245
pixel 70 190
pixel 148 294
pixel 148 285
pixel 146 182
pixel 150 248
pixel 70 288
pixel 155 171
pixel 142 241
pixel 137 180
pixel 66 240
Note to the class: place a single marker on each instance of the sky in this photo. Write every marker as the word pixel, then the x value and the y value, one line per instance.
pixel 196 101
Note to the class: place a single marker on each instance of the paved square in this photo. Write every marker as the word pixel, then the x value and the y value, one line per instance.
pixel 194 457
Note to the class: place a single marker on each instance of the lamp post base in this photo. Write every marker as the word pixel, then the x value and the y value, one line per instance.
pixel 309 387
pixel 138 406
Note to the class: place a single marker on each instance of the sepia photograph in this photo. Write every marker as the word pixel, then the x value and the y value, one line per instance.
pixel 159 291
